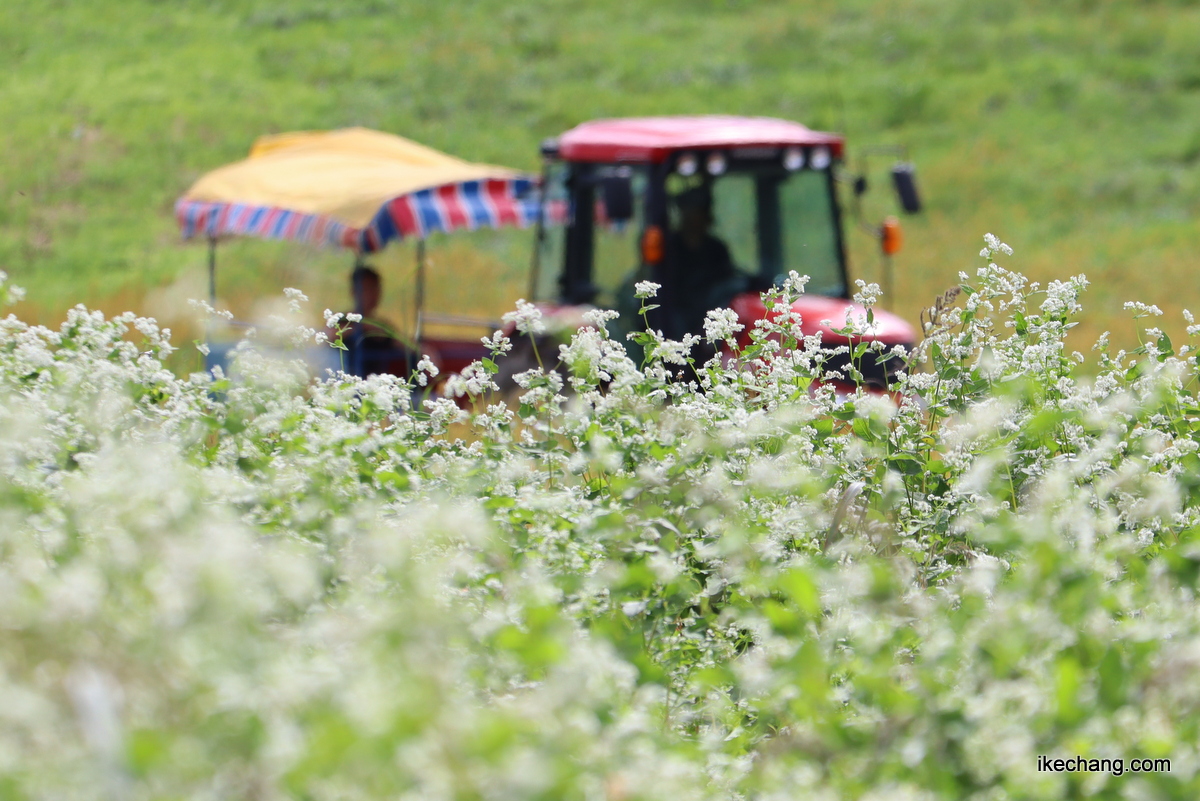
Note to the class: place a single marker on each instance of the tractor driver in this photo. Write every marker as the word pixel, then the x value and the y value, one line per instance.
pixel 699 266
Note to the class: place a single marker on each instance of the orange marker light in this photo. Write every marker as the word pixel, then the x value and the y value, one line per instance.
pixel 891 237
pixel 652 245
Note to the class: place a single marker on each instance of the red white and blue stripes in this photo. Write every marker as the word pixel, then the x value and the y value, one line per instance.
pixel 217 219
pixel 470 204
pixel 492 203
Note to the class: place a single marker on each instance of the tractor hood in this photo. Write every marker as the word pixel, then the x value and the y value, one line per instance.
pixel 824 314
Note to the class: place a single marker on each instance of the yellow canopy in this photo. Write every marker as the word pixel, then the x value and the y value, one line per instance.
pixel 345 175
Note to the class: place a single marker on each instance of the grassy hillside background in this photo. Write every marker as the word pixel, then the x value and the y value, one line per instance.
pixel 1071 128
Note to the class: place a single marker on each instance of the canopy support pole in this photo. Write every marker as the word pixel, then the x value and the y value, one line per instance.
pixel 209 360
pixel 420 299
pixel 539 238
pixel 357 329
pixel 212 271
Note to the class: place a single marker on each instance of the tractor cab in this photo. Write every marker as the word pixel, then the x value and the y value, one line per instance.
pixel 715 209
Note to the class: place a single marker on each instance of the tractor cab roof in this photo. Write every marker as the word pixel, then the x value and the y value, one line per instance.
pixel 653 139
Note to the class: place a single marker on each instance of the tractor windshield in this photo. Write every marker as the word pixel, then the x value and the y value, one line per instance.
pixel 747 228
pixel 775 221
pixel 591 258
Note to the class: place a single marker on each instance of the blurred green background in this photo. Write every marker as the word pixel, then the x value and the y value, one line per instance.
pixel 1071 129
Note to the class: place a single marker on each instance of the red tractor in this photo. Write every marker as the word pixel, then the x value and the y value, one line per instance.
pixel 715 209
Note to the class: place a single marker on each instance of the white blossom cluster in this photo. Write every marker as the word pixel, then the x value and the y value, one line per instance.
pixel 640 578
pixel 527 319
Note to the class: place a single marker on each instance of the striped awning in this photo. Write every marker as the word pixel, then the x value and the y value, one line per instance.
pixel 352 188
pixel 493 203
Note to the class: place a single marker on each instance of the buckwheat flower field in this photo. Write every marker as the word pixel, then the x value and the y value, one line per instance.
pixel 622 586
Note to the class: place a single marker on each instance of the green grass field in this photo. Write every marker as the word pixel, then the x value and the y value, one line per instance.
pixel 1071 129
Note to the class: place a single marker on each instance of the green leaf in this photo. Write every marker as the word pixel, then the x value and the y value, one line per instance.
pixel 145 751
pixel 908 464
pixel 1113 678
pixel 1068 679
pixel 1165 348
pixel 800 588
pixel 393 479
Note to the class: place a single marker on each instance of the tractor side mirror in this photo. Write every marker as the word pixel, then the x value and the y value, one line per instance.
pixel 617 191
pixel 904 178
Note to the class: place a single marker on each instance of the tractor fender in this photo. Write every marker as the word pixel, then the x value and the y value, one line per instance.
pixel 820 314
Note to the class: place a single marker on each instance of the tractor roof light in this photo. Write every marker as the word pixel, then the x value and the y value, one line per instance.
pixel 687 164
pixel 793 158
pixel 821 157
pixel 715 164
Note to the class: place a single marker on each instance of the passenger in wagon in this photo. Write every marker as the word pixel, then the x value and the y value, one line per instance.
pixel 374 344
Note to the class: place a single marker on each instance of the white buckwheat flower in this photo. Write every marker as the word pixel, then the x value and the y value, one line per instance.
pixel 795 283
pixel 208 311
pixel 867 294
pixel 1143 309
pixel 721 325
pixel 9 293
pixel 426 369
pixel 676 352
pixel 646 289
pixel 497 342
pixel 295 298
pixel 994 245
pixel 600 318
pixel 527 317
